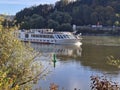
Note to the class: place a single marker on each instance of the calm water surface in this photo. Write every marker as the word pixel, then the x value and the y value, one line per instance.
pixel 75 65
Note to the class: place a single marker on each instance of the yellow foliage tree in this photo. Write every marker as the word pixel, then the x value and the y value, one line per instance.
pixel 18 68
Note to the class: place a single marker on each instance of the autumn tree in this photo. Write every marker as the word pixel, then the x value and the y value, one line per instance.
pixel 18 68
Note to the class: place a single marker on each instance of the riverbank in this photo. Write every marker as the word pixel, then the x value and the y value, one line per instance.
pixel 102 31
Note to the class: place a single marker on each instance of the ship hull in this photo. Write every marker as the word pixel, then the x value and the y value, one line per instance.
pixel 64 42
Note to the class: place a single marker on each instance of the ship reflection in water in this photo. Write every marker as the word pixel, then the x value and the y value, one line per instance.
pixel 59 50
pixel 52 52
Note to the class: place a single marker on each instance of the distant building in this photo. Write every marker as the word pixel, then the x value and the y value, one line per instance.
pixel 74 27
pixel 96 26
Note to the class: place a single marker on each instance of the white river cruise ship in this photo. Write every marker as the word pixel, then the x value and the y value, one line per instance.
pixel 48 36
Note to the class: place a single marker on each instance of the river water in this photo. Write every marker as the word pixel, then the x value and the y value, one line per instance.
pixel 75 64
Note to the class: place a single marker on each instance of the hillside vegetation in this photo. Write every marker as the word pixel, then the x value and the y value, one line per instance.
pixel 65 13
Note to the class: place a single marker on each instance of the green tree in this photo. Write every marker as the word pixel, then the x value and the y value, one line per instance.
pixel 86 15
pixel 94 18
pixel 65 27
pixel 35 21
pixel 53 24
pixel 61 17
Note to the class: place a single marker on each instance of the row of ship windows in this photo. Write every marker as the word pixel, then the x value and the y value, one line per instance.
pixel 42 36
pixel 64 36
pixel 51 36
pixel 40 40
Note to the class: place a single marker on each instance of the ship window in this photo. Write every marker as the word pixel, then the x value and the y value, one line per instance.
pixel 40 36
pixel 26 35
pixel 64 36
pixel 33 35
pixel 46 36
pixel 67 36
pixel 70 36
pixel 43 36
pixel 58 36
pixel 51 36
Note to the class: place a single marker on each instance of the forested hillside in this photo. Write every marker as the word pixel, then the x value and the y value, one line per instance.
pixel 64 14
